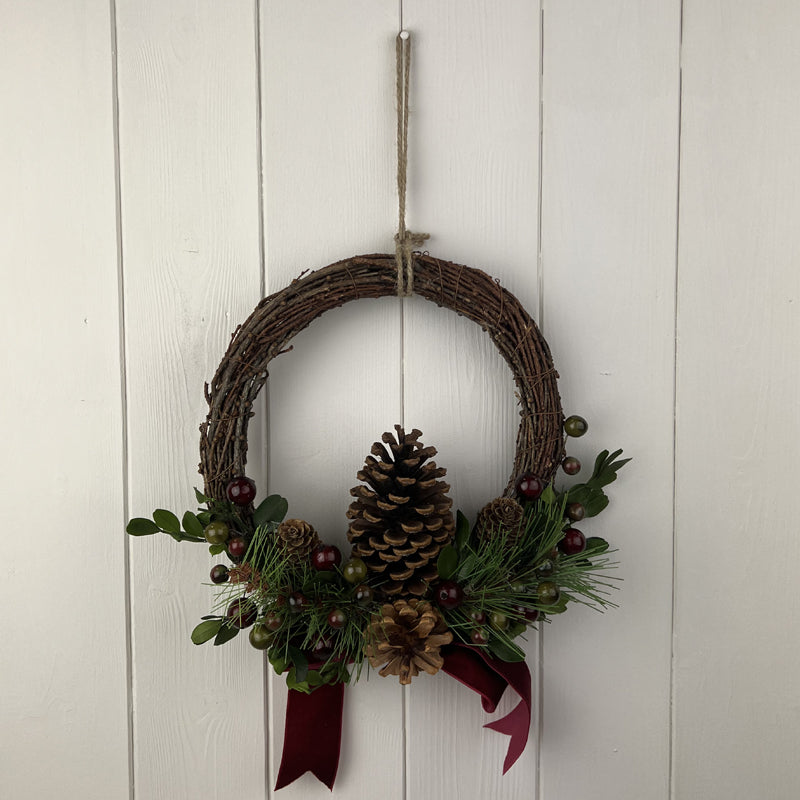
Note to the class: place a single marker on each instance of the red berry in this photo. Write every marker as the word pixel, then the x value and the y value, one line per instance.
pixel 242 612
pixel 297 602
pixel 237 547
pixel 449 595
pixel 529 486
pixel 219 573
pixel 574 542
pixel 571 465
pixel 530 614
pixel 272 621
pixel 326 557
pixel 575 426
pixel 479 636
pixel 241 491
pixel 363 595
pixel 478 617
pixel 337 618
pixel 545 568
pixel 322 648
pixel 576 512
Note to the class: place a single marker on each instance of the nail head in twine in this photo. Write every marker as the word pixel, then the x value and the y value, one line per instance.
pixel 406 242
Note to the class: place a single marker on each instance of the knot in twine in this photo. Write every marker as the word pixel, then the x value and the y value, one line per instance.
pixel 406 242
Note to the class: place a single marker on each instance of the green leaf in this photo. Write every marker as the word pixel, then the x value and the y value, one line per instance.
pixel 505 651
pixel 580 493
pixel 559 607
pixel 167 521
pixel 462 530
pixel 272 509
pixel 297 657
pixel 139 526
pixel 216 549
pixel 467 566
pixel 201 498
pixel 595 504
pixel 447 563
pixel 298 685
pixel 206 630
pixel 548 495
pixel 595 545
pixel 192 525
pixel 279 663
pixel 212 616
pixel 204 517
pixel 314 678
pixel 225 634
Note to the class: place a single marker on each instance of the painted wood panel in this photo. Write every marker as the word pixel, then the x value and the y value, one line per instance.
pixel 328 131
pixel 192 272
pixel 611 103
pixel 737 714
pixel 62 583
pixel 474 185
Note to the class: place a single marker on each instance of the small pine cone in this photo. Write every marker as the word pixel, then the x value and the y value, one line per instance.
pixel 298 538
pixel 244 573
pixel 406 638
pixel 504 517
pixel 402 518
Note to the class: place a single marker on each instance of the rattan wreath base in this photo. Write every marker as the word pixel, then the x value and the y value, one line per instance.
pixel 468 291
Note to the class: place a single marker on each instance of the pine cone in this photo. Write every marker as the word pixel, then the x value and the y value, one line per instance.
pixel 406 638
pixel 503 516
pixel 402 519
pixel 298 538
pixel 244 573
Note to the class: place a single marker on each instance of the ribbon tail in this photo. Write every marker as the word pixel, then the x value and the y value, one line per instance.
pixel 312 718
pixel 517 723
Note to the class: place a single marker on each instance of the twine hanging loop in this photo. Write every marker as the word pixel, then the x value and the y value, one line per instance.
pixel 406 242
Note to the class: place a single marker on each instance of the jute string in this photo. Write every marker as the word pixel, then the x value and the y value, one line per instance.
pixel 406 242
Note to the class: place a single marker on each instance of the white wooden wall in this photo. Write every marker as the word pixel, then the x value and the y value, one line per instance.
pixel 630 169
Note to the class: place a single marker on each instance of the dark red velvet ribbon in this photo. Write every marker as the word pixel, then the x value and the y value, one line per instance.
pixel 489 677
pixel 313 732
pixel 312 735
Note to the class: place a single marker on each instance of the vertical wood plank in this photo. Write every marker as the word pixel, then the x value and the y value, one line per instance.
pixel 474 185
pixel 611 115
pixel 328 132
pixel 738 420
pixel 62 584
pixel 190 225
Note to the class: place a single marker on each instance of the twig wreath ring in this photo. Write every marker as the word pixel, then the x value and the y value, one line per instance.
pixel 467 291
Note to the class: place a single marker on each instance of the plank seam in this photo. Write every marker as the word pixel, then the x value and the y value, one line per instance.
pixel 672 725
pixel 123 394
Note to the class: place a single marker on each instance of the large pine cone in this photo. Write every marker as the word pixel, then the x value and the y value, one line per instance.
pixel 298 538
pixel 501 517
pixel 403 520
pixel 406 638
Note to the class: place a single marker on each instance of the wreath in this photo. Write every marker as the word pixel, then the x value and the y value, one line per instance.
pixel 423 589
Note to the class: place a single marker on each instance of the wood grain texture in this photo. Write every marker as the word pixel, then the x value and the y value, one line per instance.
pixel 190 225
pixel 62 583
pixel 474 161
pixel 738 419
pixel 611 108
pixel 328 132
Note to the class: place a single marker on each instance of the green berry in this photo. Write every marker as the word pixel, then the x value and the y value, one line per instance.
pixel 260 636
pixel 354 571
pixel 548 593
pixel 216 532
pixel 575 426
pixel 498 621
